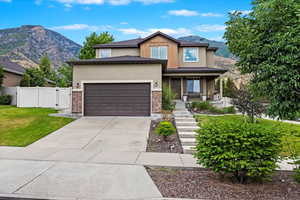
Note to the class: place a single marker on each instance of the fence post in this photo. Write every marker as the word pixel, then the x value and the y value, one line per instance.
pixel 18 96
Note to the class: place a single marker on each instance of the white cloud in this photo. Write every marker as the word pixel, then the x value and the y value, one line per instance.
pixel 243 12
pixel 6 1
pixel 183 12
pixel 143 33
pixel 210 27
pixel 211 14
pixel 190 13
pixel 77 27
pixel 218 38
pixel 132 31
pixel 68 5
pixel 123 23
pixel 154 1
pixel 119 2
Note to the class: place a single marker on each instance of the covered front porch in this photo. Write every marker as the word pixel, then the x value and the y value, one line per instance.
pixel 194 83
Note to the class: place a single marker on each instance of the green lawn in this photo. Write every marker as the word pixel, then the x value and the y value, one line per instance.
pixel 291 132
pixel 23 126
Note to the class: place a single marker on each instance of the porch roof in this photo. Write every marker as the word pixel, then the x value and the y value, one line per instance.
pixel 195 70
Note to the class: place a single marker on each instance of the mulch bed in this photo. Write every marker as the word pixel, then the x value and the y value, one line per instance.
pixel 157 144
pixel 204 184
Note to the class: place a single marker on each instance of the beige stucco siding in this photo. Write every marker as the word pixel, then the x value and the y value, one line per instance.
pixel 210 58
pixel 122 52
pixel 202 58
pixel 11 80
pixel 124 72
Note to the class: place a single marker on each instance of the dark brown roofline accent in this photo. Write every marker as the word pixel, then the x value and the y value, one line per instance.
pixel 13 71
pixel 156 34
pixel 212 48
pixel 196 44
pixel 119 60
pixel 194 70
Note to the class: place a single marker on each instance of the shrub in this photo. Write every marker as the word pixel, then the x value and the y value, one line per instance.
pixel 206 106
pixel 246 102
pixel 201 105
pixel 243 150
pixel 229 110
pixel 5 99
pixel 165 129
pixel 167 98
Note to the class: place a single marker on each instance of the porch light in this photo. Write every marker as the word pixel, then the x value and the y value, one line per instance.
pixel 77 85
pixel 155 84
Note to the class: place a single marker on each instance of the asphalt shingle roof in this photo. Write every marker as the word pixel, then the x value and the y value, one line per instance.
pixel 11 66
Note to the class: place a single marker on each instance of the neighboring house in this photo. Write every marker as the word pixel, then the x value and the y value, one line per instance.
pixel 13 73
pixel 126 78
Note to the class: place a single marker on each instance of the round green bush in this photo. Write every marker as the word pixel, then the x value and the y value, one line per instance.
pixel 237 148
pixel 5 99
pixel 165 129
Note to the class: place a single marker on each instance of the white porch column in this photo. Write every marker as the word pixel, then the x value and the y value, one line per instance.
pixel 181 83
pixel 221 88
pixel 204 97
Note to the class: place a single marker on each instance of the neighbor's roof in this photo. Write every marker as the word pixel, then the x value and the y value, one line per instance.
pixel 194 70
pixel 119 60
pixel 136 42
pixel 11 67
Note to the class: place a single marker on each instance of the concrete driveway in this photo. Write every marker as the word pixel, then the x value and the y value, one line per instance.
pixel 100 134
pixel 87 159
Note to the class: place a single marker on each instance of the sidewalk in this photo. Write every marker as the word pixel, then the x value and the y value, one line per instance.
pixel 107 157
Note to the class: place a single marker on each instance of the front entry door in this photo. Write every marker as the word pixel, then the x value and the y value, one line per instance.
pixel 176 87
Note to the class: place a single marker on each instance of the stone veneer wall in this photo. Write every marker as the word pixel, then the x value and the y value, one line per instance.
pixel 77 102
pixel 156 101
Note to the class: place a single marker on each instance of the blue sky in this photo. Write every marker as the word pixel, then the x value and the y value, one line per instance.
pixel 125 19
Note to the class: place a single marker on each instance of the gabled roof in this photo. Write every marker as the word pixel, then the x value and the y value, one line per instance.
pixel 119 60
pixel 11 67
pixel 122 44
pixel 158 33
pixel 135 43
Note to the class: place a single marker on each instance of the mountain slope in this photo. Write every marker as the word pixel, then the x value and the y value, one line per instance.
pixel 27 44
pixel 223 48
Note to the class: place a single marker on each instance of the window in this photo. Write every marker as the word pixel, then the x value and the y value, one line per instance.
pixel 160 52
pixel 104 53
pixel 193 86
pixel 190 55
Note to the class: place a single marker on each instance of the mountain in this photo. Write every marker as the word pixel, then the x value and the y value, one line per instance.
pixel 27 44
pixel 223 48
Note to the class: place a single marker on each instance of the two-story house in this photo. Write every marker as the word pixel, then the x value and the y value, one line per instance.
pixel 126 77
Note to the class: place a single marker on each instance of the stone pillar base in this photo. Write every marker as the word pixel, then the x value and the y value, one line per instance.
pixel 77 102
pixel 156 101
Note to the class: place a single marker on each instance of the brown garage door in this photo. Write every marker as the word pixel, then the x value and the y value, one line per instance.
pixel 117 99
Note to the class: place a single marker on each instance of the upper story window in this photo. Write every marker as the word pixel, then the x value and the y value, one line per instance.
pixel 104 53
pixel 159 52
pixel 190 55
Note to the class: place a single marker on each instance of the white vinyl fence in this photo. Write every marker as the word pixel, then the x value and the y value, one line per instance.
pixel 42 97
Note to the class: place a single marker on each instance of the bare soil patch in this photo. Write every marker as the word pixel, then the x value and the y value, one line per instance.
pixel 204 184
pixel 157 144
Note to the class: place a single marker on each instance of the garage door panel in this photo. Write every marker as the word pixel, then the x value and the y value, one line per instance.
pixel 117 99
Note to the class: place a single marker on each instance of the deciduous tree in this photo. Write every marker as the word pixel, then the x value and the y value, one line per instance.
pixel 87 51
pixel 267 42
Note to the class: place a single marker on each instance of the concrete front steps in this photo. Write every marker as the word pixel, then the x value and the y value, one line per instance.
pixel 186 126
